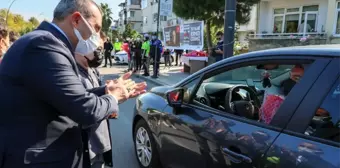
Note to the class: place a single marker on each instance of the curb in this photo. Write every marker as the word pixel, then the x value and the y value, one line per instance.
pixel 149 79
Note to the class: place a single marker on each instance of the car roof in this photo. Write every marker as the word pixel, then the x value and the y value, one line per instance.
pixel 309 50
pixel 332 50
pixel 301 51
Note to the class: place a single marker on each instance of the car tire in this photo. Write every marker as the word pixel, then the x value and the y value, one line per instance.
pixel 144 131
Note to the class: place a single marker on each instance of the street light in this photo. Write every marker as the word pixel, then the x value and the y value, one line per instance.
pixel 10 5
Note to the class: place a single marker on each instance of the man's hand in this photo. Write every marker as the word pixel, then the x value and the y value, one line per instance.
pixel 113 116
pixel 219 51
pixel 135 89
pixel 117 89
pixel 124 83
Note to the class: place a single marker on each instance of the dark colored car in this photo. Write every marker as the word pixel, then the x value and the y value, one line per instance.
pixel 266 109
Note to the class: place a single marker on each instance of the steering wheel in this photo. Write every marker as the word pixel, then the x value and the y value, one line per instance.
pixel 244 108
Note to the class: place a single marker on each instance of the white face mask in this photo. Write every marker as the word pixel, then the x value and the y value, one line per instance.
pixel 85 47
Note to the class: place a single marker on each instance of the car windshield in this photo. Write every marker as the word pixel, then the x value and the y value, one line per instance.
pixel 250 72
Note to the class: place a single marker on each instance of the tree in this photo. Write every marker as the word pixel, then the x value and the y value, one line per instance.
pixel 129 32
pixel 107 18
pixel 212 12
pixel 35 22
pixel 16 22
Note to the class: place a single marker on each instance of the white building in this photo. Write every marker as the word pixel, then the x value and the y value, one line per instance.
pixel 130 13
pixel 287 21
pixel 246 29
pixel 149 13
pixel 150 16
pixel 280 17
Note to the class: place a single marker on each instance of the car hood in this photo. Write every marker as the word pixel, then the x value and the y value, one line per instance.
pixel 161 90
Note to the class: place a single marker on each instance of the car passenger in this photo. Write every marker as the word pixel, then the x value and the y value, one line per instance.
pixel 272 102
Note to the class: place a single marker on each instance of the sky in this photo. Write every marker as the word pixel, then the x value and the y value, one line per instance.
pixel 43 9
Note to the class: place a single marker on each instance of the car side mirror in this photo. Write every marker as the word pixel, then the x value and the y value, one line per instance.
pixel 175 97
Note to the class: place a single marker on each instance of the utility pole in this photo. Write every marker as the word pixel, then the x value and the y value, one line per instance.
pixel 8 11
pixel 229 28
pixel 157 33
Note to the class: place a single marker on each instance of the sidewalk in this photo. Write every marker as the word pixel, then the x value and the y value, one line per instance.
pixel 167 76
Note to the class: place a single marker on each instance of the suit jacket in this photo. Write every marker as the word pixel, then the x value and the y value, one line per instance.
pixel 99 136
pixel 108 47
pixel 43 103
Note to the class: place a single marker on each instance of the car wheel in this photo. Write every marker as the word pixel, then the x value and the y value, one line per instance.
pixel 145 146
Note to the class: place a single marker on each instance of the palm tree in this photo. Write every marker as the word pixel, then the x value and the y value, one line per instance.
pixel 107 18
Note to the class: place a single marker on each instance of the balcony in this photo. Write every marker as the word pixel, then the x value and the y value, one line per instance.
pixel 278 40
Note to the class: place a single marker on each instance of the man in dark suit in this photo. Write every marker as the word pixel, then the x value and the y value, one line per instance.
pixel 43 104
pixel 108 47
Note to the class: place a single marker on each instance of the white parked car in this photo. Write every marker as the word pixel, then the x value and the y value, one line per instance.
pixel 122 58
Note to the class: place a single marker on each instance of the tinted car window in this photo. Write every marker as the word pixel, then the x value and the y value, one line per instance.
pixel 249 72
pixel 326 122
pixel 213 90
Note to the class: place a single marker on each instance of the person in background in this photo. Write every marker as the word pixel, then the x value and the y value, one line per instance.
pixel 219 47
pixel 301 27
pixel 137 49
pixel 117 45
pixel 96 138
pixel 13 37
pixel 126 48
pixel 155 53
pixel 178 57
pixel 4 41
pixel 167 59
pixel 107 51
pixel 132 53
pixel 146 56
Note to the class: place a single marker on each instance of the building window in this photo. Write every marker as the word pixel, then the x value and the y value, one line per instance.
pixel 145 20
pixel 155 17
pixel 337 25
pixel 134 2
pixel 164 18
pixel 292 20
pixel 133 25
pixel 132 13
pixel 144 4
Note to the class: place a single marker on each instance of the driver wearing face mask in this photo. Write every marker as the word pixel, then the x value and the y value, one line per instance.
pixel 295 75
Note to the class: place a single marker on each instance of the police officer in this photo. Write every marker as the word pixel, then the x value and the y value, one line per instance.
pixel 155 53
pixel 146 56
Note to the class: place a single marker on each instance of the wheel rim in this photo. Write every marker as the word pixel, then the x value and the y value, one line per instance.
pixel 143 147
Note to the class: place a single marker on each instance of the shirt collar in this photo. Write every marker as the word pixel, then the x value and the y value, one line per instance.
pixel 59 29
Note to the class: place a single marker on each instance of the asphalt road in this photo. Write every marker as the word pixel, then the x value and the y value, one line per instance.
pixel 121 132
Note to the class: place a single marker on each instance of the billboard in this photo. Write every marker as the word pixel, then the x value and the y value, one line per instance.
pixel 187 36
pixel 166 7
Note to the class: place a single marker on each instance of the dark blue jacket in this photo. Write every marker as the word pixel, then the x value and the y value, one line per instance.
pixel 156 44
pixel 43 104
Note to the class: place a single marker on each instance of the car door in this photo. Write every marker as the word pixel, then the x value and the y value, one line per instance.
pixel 177 140
pixel 200 136
pixel 314 130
